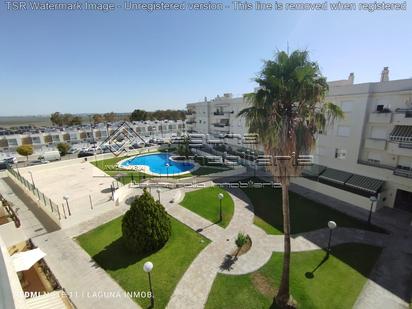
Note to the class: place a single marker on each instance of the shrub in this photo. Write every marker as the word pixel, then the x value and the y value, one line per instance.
pixel 63 148
pixel 240 241
pixel 146 226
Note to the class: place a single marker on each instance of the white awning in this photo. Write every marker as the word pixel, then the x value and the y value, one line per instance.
pixel 26 259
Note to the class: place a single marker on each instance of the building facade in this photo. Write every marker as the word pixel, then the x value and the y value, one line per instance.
pixel 369 152
pixel 43 138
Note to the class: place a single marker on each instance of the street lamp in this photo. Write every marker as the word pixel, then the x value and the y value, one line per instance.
pixel 331 225
pixel 32 181
pixel 147 267
pixel 220 196
pixel 66 198
pixel 158 193
pixel 373 200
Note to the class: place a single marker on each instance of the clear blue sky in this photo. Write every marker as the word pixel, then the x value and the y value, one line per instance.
pixel 100 62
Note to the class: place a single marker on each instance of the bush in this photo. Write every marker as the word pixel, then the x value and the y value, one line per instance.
pixel 63 148
pixel 146 226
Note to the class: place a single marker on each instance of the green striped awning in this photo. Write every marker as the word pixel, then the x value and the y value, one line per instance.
pixel 313 170
pixel 364 183
pixel 336 176
pixel 401 134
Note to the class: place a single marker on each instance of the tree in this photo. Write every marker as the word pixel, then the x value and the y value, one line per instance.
pixel 97 118
pixel 109 117
pixel 25 150
pixel 138 115
pixel 287 112
pixel 63 148
pixel 75 121
pixel 146 225
pixel 57 119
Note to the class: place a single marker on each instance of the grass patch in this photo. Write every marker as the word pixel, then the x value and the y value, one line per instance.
pixel 335 284
pixel 104 244
pixel 305 215
pixel 205 203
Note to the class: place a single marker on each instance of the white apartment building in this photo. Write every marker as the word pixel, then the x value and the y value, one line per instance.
pixel 98 133
pixel 369 152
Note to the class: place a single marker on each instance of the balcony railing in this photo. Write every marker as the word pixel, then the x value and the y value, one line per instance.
pixel 220 125
pixel 403 172
pixel 405 146
pixel 376 164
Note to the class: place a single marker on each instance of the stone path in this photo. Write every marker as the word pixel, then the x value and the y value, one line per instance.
pixel 194 287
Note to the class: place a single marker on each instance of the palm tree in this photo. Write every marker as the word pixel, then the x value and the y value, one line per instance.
pixel 287 112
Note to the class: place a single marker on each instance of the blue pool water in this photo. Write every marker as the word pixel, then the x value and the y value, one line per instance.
pixel 157 164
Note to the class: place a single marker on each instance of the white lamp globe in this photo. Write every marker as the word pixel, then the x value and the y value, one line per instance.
pixel 220 196
pixel 148 266
pixel 332 225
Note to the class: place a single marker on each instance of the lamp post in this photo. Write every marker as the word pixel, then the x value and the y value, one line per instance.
pixel 220 196
pixel 331 225
pixel 32 181
pixel 373 200
pixel 158 193
pixel 66 198
pixel 147 267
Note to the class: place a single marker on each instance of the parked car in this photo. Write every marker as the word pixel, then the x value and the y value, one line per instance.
pixel 11 160
pixel 37 162
pixel 3 166
pixel 83 154
pixel 53 155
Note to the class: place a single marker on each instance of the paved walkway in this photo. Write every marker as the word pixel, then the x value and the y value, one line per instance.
pixel 194 287
pixel 88 285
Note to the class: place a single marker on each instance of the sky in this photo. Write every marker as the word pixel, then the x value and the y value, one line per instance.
pixel 95 62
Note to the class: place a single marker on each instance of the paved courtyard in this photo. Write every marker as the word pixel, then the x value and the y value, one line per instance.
pixel 77 179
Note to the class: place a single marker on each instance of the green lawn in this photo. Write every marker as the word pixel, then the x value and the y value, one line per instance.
pixel 305 214
pixel 104 245
pixel 205 203
pixel 335 284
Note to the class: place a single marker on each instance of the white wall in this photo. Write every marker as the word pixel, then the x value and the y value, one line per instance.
pixel 11 234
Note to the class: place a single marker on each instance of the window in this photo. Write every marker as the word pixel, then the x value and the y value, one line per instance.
pixel 374 157
pixel 343 131
pixel 36 140
pixel 346 106
pixel 12 142
pixel 340 153
pixel 378 133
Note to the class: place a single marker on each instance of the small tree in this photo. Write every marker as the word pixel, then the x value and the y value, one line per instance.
pixel 146 226
pixel 240 241
pixel 25 150
pixel 63 148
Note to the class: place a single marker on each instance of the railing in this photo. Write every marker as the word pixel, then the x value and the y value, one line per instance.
pixel 10 211
pixel 43 199
pixel 403 172
pixel 376 164
pixel 406 146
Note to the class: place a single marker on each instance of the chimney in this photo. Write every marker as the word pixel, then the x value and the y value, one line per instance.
pixel 385 74
pixel 351 78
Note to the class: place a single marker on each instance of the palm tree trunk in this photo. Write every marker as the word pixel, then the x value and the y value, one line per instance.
pixel 282 297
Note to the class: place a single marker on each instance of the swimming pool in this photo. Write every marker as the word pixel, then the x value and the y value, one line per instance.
pixel 158 164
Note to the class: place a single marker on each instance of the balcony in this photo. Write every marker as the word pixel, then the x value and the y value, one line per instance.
pixel 403 172
pixel 403 117
pixel 376 164
pixel 400 149
pixel 380 117
pixel 378 144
